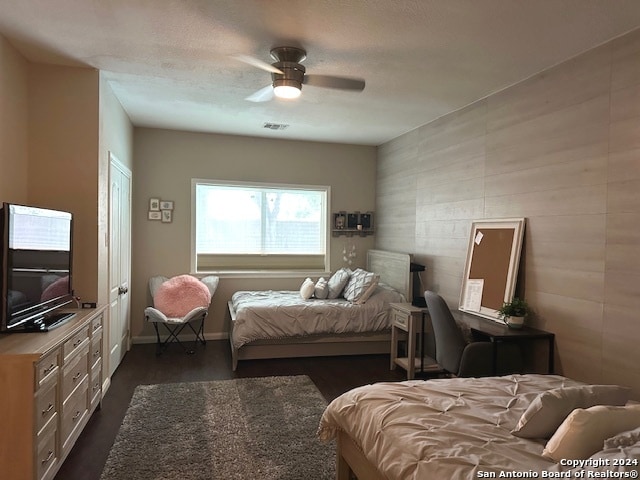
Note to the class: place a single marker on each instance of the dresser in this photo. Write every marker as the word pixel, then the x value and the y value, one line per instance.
pixel 50 384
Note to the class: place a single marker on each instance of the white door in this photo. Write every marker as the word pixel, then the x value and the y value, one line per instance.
pixel 119 261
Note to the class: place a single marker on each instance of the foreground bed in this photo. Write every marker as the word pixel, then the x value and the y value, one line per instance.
pixel 462 429
pixel 278 324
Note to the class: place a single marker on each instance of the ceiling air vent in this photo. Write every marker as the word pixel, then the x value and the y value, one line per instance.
pixel 276 126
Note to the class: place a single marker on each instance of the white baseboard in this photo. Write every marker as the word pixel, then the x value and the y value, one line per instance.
pixel 184 337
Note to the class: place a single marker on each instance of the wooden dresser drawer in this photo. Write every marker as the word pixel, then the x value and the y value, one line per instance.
pixel 95 354
pixel 47 367
pixel 47 451
pixel 75 372
pixel 95 384
pixel 96 324
pixel 71 346
pixel 46 405
pixel 74 409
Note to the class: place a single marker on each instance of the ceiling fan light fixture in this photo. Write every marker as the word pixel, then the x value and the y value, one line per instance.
pixel 288 89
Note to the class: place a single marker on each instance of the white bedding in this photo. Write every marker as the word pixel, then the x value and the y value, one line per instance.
pixel 270 314
pixel 449 428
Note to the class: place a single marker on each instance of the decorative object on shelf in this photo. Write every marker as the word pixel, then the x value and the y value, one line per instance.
pixel 353 223
pixel 513 313
pixel 160 210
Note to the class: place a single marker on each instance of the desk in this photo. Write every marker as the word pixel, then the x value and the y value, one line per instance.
pixel 498 333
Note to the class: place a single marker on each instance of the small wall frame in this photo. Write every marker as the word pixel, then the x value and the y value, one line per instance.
pixel 491 269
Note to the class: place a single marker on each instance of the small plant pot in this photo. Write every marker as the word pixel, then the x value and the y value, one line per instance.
pixel 514 322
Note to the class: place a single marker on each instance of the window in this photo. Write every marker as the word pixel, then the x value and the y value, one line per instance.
pixel 251 226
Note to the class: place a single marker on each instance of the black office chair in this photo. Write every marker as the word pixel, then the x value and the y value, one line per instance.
pixel 455 355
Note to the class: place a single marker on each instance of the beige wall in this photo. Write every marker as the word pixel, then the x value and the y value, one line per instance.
pixel 563 150
pixel 13 124
pixel 116 137
pixel 63 158
pixel 165 162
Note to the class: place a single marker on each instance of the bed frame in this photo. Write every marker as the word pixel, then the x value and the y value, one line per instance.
pixel 394 270
pixel 351 462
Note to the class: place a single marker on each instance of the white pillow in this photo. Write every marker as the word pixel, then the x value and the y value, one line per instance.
pixel 549 409
pixel 307 289
pixel 360 286
pixel 337 282
pixel 624 439
pixel 584 431
pixel 322 288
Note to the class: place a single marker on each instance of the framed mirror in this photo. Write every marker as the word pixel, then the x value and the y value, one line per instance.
pixel 491 269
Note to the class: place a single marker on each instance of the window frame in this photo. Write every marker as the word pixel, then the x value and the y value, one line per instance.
pixel 260 272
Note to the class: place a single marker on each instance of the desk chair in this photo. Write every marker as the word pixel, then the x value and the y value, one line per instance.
pixel 173 322
pixel 453 353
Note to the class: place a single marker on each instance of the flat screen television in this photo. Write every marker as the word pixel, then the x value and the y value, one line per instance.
pixel 36 267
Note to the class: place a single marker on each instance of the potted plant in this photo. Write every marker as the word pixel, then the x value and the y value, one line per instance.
pixel 514 312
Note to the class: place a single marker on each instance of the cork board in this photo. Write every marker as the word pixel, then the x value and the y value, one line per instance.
pixel 492 266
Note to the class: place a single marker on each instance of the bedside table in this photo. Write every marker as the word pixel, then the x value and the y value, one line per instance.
pixel 409 319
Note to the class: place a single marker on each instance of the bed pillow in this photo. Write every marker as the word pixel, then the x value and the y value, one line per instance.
pixel 322 289
pixel 307 288
pixel 624 439
pixel 584 431
pixel 360 286
pixel 549 409
pixel 179 295
pixel 337 282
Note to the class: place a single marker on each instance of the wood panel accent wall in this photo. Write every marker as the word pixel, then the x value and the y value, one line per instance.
pixel 563 150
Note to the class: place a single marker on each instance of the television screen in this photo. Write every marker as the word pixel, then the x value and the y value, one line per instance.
pixel 36 264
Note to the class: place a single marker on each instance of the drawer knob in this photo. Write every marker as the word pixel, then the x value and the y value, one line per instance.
pixel 77 342
pixel 49 369
pixel 76 416
pixel 76 376
pixel 47 410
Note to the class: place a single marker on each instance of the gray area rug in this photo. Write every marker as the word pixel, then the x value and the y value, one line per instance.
pixel 249 429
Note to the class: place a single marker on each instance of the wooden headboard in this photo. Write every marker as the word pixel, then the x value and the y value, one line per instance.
pixel 393 268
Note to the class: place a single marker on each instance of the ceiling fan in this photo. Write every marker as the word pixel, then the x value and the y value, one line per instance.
pixel 288 75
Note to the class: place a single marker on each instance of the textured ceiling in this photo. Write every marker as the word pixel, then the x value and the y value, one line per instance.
pixel 170 62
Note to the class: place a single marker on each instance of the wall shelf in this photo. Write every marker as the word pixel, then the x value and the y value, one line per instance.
pixel 352 224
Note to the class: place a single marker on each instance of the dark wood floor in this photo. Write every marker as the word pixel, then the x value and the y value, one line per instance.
pixel 332 375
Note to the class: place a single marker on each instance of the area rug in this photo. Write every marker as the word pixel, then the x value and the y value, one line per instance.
pixel 249 429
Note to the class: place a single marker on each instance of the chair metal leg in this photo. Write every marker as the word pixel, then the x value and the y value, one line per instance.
pixel 175 330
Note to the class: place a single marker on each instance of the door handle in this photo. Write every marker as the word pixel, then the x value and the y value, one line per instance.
pixel 122 290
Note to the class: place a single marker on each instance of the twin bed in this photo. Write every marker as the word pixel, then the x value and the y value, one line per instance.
pixel 465 428
pixel 279 324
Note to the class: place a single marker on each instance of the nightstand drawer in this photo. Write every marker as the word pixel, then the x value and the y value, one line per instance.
pixel 401 319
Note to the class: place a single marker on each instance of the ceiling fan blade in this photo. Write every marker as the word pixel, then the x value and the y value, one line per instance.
pixel 263 95
pixel 329 81
pixel 248 59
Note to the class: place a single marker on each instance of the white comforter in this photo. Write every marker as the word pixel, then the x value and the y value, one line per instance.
pixel 446 428
pixel 272 314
